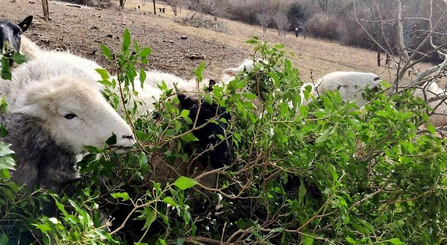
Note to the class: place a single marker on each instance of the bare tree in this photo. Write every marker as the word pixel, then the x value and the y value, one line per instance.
pixel 213 7
pixel 282 22
pixel 413 46
pixel 264 19
pixel 323 5
pixel 46 11
pixel 264 16
pixel 174 5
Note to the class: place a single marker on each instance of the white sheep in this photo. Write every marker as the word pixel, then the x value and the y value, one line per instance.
pixel 429 91
pixel 83 67
pixel 247 65
pixel 150 93
pixel 350 84
pixel 54 112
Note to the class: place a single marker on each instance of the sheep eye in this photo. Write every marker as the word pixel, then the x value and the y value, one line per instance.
pixel 376 78
pixel 338 87
pixel 70 116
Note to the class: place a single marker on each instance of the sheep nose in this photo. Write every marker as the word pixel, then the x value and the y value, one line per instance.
pixel 128 137
pixel 227 157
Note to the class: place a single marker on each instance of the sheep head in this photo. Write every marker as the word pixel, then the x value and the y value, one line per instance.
pixel 350 84
pixel 75 114
pixel 10 35
pixel 219 151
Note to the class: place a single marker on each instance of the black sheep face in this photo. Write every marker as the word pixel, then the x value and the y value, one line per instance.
pixel 208 135
pixel 10 36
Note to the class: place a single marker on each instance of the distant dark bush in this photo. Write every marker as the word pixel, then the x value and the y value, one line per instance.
pixel 350 33
pixel 323 26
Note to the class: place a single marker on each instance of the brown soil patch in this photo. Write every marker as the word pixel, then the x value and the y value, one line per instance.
pixel 81 30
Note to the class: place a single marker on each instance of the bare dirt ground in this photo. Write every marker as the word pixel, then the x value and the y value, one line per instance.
pixel 81 30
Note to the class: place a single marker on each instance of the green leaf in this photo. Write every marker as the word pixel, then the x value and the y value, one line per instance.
pixel 161 242
pixel 189 137
pixel 142 77
pixel 4 239
pixel 396 241
pixel 145 52
pixel 431 129
pixel 44 228
pixel 19 58
pixel 302 192
pixel 170 201
pixel 184 183
pixel 306 240
pixel 350 240
pixel 126 41
pixel 123 195
pixel 4 149
pixel 250 96
pixel 104 74
pixel 323 137
pixel 367 225
pixel 184 113
pixel 386 84
pixel 150 215
pixel 199 71
pixel 180 241
pixel 106 51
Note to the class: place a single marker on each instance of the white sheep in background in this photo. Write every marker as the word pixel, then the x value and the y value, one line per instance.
pixel 54 111
pixel 350 84
pixel 229 73
pixel 432 90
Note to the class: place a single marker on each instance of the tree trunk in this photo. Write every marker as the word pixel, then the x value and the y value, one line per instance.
pixel 174 9
pixel 378 57
pixel 155 10
pixel 122 2
pixel 46 11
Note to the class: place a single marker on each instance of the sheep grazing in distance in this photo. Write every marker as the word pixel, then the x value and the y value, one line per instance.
pixel 431 90
pixel 53 112
pixel 10 36
pixel 350 84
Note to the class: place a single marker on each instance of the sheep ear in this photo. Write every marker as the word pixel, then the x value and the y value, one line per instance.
pixel 230 71
pixel 25 23
pixel 185 101
pixel 29 110
pixel 211 84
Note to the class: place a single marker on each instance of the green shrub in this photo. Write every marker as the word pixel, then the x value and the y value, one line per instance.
pixel 326 172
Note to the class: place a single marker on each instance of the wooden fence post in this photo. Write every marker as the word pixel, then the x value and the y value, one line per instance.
pixel 46 11
pixel 155 10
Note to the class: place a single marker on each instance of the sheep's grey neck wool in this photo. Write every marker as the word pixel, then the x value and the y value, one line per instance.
pixel 40 161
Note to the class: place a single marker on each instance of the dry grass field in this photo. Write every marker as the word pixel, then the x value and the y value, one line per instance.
pixel 81 30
